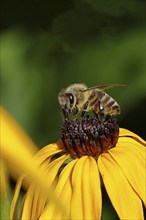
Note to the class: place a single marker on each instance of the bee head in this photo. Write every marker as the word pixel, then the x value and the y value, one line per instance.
pixel 66 100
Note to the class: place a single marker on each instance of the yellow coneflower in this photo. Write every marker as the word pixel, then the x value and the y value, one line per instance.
pixel 16 158
pixel 14 142
pixel 89 154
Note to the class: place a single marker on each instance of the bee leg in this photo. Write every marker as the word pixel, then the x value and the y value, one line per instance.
pixel 99 111
pixel 65 114
pixel 85 106
pixel 75 112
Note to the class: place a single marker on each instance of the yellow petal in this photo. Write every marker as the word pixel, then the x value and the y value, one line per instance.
pixel 45 154
pixel 64 190
pixel 13 211
pixel 15 148
pixel 42 183
pixel 86 195
pixel 28 201
pixel 126 133
pixel 92 200
pixel 35 198
pixel 15 144
pixel 130 156
pixel 124 199
pixel 53 167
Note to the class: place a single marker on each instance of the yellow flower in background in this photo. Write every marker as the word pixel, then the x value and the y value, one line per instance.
pixel 76 168
pixel 14 143
pixel 17 158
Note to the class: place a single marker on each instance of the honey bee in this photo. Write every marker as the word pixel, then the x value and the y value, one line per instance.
pixel 79 98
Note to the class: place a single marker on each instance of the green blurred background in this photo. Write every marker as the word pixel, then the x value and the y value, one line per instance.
pixel 45 46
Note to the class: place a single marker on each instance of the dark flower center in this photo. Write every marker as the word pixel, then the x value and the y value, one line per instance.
pixel 89 136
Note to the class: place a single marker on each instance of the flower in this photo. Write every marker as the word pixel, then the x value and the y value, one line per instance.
pixel 15 142
pixel 17 153
pixel 77 177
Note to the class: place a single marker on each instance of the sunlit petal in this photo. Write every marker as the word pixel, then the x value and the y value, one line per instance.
pixel 28 201
pixel 13 137
pixel 35 198
pixel 47 152
pixel 64 191
pixel 92 199
pixel 130 156
pixel 15 142
pixel 86 196
pixel 13 211
pixel 126 133
pixel 124 199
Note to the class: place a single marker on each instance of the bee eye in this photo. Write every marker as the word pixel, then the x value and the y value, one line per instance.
pixel 71 98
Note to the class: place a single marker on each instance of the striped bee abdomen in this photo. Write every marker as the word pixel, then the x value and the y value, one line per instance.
pixel 110 105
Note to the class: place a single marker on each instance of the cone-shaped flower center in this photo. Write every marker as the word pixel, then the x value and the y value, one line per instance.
pixel 89 136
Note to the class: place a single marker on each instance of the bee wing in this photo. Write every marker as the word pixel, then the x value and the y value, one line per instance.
pixel 103 87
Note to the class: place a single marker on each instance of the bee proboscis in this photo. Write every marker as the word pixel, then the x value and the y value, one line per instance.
pixel 79 98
